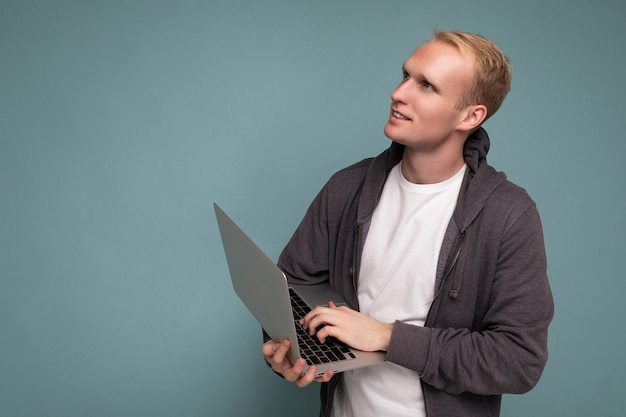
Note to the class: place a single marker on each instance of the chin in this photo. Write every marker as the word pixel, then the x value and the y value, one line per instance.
pixel 393 137
pixel 388 131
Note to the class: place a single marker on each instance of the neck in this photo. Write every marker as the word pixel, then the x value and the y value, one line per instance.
pixel 424 168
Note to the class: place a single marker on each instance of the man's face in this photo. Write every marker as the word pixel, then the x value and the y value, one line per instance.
pixel 423 112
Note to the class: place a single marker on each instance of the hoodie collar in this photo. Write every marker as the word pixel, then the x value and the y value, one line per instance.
pixel 475 153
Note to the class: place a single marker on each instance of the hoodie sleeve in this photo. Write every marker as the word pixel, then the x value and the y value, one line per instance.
pixel 305 258
pixel 321 249
pixel 492 338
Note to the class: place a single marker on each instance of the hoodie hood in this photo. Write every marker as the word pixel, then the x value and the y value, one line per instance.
pixel 480 181
pixel 476 149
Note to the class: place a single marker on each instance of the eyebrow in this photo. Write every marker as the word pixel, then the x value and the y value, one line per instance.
pixel 422 78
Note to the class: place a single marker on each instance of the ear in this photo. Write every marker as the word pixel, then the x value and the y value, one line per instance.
pixel 474 116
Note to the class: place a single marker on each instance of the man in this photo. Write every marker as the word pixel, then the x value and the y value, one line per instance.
pixel 440 257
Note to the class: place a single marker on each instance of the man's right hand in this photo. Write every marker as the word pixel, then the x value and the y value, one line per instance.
pixel 276 355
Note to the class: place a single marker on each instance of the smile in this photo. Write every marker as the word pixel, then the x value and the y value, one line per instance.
pixel 398 115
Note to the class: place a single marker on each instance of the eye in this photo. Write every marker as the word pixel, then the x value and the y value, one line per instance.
pixel 405 75
pixel 428 86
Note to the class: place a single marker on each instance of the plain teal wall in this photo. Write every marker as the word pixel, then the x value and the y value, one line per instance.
pixel 121 122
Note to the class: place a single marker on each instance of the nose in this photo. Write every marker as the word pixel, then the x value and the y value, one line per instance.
pixel 399 94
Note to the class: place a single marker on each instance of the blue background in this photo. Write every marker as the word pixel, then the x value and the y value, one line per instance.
pixel 121 122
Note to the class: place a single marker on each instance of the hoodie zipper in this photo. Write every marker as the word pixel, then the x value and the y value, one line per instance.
pixel 458 277
pixel 354 269
pixel 456 285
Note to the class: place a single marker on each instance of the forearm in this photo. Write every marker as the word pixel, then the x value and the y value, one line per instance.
pixel 455 361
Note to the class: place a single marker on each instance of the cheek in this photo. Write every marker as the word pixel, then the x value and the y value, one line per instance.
pixel 425 105
pixel 427 113
pixel 435 110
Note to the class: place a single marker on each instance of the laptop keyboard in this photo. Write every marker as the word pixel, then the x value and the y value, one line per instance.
pixel 311 349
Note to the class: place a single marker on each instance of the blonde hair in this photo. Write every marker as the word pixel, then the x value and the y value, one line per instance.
pixel 492 69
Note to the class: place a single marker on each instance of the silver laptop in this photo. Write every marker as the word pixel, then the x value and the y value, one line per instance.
pixel 277 306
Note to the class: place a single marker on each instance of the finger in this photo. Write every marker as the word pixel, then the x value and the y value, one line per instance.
pixel 312 315
pixel 281 351
pixel 304 321
pixel 293 374
pixel 325 377
pixel 269 348
pixel 308 377
pixel 325 332
pixel 324 319
pixel 276 356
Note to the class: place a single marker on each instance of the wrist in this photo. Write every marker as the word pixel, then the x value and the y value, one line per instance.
pixel 386 336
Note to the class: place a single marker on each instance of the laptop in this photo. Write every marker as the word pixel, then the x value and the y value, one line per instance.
pixel 278 306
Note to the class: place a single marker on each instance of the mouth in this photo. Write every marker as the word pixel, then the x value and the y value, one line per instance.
pixel 399 115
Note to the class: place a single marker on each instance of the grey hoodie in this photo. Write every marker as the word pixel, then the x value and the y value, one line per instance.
pixel 486 332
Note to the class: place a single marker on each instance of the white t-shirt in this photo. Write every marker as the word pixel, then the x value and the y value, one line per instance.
pixel 397 282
